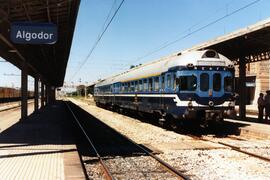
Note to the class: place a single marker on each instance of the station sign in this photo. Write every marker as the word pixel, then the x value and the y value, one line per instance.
pixel 33 33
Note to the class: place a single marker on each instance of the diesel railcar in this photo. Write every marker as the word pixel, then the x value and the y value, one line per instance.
pixel 196 86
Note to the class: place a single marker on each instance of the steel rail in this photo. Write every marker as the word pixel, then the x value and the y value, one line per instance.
pixel 245 152
pixel 163 163
pixel 105 168
pixel 14 107
pixel 235 148
pixel 168 167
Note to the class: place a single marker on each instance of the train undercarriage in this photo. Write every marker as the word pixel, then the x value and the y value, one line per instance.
pixel 191 116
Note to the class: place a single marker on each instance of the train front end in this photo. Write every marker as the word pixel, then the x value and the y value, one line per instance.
pixel 206 88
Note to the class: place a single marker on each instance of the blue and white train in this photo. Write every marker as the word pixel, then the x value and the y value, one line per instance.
pixel 196 85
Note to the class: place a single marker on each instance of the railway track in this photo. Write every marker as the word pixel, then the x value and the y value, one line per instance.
pixel 102 155
pixel 14 107
pixel 233 147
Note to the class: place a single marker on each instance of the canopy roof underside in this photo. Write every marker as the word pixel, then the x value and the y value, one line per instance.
pixel 252 42
pixel 45 61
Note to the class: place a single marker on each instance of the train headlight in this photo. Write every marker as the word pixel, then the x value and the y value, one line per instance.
pixel 211 103
pixel 190 66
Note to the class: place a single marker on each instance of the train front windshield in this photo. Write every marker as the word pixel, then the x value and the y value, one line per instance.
pixel 203 81
pixel 187 83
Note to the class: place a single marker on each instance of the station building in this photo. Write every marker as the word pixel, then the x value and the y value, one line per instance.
pixel 257 80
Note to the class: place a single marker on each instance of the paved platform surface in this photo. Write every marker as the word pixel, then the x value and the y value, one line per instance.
pixel 252 129
pixel 40 147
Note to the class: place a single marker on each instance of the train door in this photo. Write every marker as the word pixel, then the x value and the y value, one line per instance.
pixel 169 83
pixel 162 87
pixel 156 100
pixel 136 89
pixel 111 92
pixel 216 86
pixel 204 85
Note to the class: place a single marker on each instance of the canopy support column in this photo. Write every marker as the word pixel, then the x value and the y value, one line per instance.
pixel 42 94
pixel 24 89
pixel 36 93
pixel 47 94
pixel 242 87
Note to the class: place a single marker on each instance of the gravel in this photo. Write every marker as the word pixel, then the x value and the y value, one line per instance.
pixel 93 168
pixel 141 167
pixel 218 164
pixel 256 146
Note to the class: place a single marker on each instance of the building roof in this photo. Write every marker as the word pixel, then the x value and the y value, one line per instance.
pixel 47 61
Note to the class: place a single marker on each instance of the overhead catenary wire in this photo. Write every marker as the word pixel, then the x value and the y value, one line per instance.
pixel 107 18
pixel 98 39
pixel 196 30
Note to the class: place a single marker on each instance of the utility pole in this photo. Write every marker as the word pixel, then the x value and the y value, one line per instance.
pixel 85 90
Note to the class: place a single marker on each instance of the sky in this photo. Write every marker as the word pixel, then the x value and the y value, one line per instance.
pixel 140 27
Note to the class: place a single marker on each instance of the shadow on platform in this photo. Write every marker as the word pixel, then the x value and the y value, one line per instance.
pixel 106 140
pixel 49 126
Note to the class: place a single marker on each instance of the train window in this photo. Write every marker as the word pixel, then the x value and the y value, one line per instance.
pixel 132 86
pixel 136 86
pixel 169 81
pixel 217 82
pixel 174 81
pixel 145 88
pixel 162 82
pixel 113 88
pixel 228 83
pixel 188 83
pixel 125 87
pixel 156 84
pixel 150 84
pixel 118 87
pixel 122 87
pixel 140 85
pixel 128 87
pixel 204 82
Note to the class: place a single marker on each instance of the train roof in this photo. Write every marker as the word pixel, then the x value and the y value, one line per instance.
pixel 156 68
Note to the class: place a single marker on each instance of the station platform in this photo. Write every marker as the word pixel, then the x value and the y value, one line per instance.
pixel 40 147
pixel 248 128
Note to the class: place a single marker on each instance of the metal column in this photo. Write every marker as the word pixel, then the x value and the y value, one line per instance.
pixel 36 93
pixel 53 94
pixel 50 90
pixel 42 94
pixel 242 88
pixel 47 94
pixel 24 93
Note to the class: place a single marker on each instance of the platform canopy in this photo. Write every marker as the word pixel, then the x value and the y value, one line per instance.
pixel 47 61
pixel 252 42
